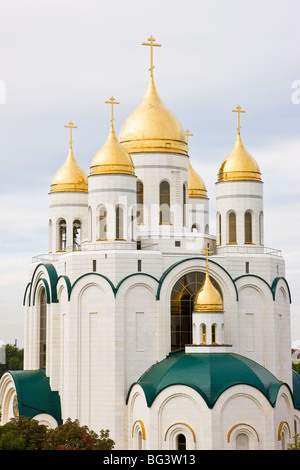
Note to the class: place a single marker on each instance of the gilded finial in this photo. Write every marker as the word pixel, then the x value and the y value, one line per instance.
pixel 112 101
pixel 71 126
pixel 207 252
pixel 151 44
pixel 238 110
pixel 187 133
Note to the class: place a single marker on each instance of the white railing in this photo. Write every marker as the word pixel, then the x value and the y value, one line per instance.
pixel 249 249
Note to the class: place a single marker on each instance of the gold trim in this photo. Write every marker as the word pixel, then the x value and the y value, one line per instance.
pixel 183 424
pixel 241 424
pixel 281 424
pixel 142 427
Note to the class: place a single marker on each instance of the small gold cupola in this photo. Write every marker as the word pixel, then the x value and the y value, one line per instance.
pixel 112 157
pixel 70 177
pixel 239 165
pixel 208 298
pixel 197 187
pixel 152 127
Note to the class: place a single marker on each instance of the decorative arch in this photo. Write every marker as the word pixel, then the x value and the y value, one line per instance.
pixel 173 266
pixel 282 425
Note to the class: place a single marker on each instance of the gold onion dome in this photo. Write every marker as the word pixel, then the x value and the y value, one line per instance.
pixel 70 177
pixel 208 298
pixel 239 165
pixel 112 158
pixel 152 127
pixel 197 187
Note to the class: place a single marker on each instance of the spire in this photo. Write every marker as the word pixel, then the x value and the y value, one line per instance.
pixel 151 44
pixel 112 102
pixel 187 133
pixel 71 126
pixel 208 299
pixel 239 111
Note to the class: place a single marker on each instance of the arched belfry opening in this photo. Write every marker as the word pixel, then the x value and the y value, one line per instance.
pixel 182 302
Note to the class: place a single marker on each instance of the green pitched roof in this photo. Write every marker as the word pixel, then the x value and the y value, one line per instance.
pixel 210 374
pixel 35 395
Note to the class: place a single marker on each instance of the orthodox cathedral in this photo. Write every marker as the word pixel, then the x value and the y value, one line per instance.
pixel 141 321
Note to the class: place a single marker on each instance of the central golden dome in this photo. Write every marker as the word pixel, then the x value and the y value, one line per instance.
pixel 239 165
pixel 152 127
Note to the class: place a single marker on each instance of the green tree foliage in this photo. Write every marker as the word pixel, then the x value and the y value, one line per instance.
pixel 27 434
pixel 296 444
pixel 13 359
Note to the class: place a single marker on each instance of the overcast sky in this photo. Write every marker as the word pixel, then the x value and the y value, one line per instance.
pixel 60 60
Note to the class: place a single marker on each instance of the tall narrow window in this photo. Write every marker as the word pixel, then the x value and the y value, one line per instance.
pixel 43 324
pixel 164 203
pixel 232 227
pixel 220 229
pixel 181 442
pixel 213 334
pixel 261 228
pixel 203 334
pixel 62 235
pixel 248 227
pixel 184 206
pixel 103 223
pixel 76 235
pixel 140 202
pixel 119 223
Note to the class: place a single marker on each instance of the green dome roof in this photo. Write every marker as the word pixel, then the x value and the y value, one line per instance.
pixel 35 395
pixel 210 374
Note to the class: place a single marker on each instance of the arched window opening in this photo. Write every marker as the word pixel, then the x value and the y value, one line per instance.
pixel 248 227
pixel 242 441
pixel 62 235
pixel 184 205
pixel 50 236
pixel 182 303
pixel 232 227
pixel 103 223
pixel 119 223
pixel 140 202
pixel 181 442
pixel 203 334
pixel 164 203
pixel 76 235
pixel 43 327
pixel 261 228
pixel 195 228
pixel 214 334
pixel 220 230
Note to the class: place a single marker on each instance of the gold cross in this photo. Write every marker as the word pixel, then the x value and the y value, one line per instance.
pixel 112 102
pixel 71 126
pixel 238 110
pixel 207 252
pixel 151 44
pixel 187 133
